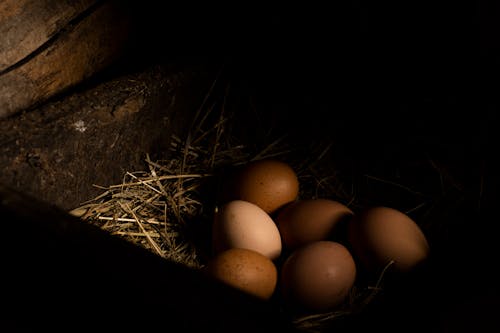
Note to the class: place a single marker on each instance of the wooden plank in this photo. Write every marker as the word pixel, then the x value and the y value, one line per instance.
pixel 25 25
pixel 56 152
pixel 81 50
pixel 63 275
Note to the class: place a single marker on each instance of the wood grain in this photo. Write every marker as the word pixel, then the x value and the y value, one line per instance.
pixel 57 151
pixel 25 25
pixel 80 50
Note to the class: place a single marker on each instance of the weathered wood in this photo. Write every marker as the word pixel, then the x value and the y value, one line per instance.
pixel 63 275
pixel 80 49
pixel 25 25
pixel 93 136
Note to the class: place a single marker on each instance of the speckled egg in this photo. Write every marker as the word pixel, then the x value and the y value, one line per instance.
pixel 268 183
pixel 246 270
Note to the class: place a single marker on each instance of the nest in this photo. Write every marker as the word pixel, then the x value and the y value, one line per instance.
pixel 168 207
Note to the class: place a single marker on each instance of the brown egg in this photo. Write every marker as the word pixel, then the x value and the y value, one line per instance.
pixel 310 220
pixel 318 276
pixel 268 183
pixel 246 270
pixel 381 234
pixel 243 224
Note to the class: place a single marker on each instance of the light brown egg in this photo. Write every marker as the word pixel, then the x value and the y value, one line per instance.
pixel 310 220
pixel 243 224
pixel 381 234
pixel 318 276
pixel 268 183
pixel 246 270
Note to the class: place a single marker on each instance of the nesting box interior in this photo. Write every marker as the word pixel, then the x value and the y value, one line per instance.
pixel 373 105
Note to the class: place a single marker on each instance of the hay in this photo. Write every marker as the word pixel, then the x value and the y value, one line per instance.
pixel 155 208
pixel 149 209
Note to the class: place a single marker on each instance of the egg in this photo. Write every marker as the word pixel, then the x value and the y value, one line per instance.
pixel 246 270
pixel 242 224
pixel 379 235
pixel 310 220
pixel 318 276
pixel 268 183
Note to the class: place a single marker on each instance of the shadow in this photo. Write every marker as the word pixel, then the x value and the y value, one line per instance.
pixel 68 275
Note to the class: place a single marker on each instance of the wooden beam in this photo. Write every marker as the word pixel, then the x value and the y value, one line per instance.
pixel 61 274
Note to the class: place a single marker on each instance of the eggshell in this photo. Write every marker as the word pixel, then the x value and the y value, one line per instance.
pixel 245 270
pixel 268 183
pixel 381 234
pixel 242 224
pixel 318 276
pixel 310 220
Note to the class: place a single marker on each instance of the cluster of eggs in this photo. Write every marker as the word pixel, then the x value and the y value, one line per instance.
pixel 265 238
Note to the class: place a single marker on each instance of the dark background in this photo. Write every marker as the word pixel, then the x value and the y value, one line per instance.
pixel 382 69
pixel 385 81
